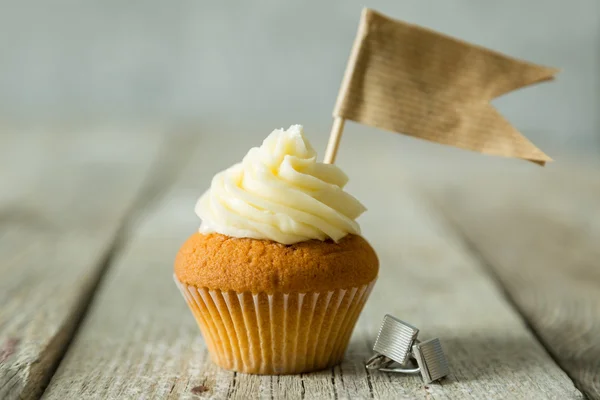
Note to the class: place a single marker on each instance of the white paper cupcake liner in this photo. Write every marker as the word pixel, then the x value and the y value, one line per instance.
pixel 276 333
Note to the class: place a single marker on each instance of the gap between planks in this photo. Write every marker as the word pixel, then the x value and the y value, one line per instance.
pixel 485 263
pixel 53 236
pixel 33 359
pixel 536 234
pixel 171 158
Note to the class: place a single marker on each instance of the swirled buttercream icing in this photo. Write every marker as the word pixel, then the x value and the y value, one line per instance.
pixel 280 192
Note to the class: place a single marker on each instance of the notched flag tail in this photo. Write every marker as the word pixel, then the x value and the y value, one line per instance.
pixel 412 80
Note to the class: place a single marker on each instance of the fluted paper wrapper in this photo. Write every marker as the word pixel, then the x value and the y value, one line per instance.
pixel 276 333
pixel 412 80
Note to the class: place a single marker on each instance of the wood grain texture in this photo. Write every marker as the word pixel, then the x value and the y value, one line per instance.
pixel 539 233
pixel 63 198
pixel 140 341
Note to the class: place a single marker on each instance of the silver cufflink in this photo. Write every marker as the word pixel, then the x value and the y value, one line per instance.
pixel 397 343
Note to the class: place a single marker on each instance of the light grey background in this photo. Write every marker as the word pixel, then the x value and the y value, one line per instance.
pixel 258 65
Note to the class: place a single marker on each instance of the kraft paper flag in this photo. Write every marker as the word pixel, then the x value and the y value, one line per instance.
pixel 411 80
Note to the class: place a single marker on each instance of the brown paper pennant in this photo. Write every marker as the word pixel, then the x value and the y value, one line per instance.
pixel 411 80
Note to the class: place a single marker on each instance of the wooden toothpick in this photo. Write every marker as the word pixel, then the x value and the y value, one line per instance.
pixel 334 140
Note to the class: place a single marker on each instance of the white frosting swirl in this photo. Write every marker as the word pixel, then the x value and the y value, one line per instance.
pixel 280 192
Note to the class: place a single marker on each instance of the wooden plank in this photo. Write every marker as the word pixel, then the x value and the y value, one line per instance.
pixel 140 341
pixel 539 232
pixel 63 197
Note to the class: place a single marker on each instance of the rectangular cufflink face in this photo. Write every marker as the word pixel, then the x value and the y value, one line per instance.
pixel 431 359
pixel 395 339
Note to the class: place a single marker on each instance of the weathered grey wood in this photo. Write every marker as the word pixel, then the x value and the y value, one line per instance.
pixel 430 279
pixel 63 197
pixel 140 341
pixel 539 232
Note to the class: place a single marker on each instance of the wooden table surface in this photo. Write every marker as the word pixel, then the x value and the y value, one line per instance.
pixel 498 258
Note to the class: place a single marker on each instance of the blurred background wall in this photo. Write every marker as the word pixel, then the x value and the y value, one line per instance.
pixel 263 64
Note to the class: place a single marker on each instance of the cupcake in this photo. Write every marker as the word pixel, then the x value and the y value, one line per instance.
pixel 278 273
